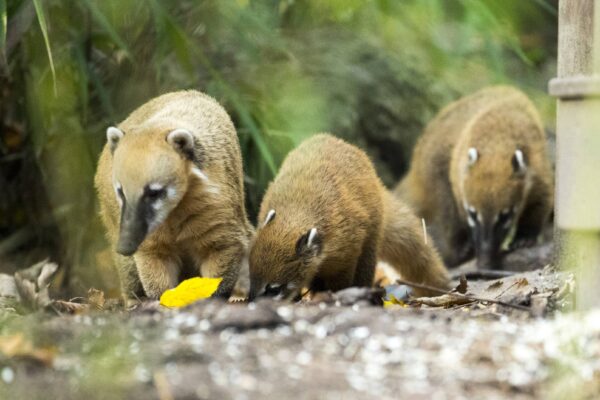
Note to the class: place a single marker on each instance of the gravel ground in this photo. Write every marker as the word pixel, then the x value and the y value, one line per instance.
pixel 217 350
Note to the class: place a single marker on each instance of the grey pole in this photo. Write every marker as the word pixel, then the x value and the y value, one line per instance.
pixel 577 88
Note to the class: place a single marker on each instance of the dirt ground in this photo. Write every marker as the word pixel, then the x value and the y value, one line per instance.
pixel 335 346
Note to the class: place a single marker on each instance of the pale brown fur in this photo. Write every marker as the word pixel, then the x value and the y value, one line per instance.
pixel 205 230
pixel 332 186
pixel 441 184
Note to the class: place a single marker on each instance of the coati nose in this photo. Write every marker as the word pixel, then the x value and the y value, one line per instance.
pixel 126 249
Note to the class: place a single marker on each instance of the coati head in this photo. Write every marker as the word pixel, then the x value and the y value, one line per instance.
pixel 150 177
pixel 494 189
pixel 283 258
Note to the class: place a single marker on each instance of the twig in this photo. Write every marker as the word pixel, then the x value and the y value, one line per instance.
pixel 424 229
pixel 462 296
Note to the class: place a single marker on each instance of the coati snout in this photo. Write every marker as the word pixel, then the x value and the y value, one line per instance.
pixel 148 185
pixel 492 212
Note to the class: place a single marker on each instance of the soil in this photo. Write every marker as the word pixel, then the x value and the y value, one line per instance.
pixel 334 346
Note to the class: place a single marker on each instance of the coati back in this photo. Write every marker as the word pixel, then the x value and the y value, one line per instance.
pixel 323 221
pixel 479 173
pixel 170 186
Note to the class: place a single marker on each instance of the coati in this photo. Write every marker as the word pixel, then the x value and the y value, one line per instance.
pixel 170 186
pixel 327 218
pixel 480 174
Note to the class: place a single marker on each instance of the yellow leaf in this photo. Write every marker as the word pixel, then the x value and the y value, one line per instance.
pixel 190 291
pixel 393 301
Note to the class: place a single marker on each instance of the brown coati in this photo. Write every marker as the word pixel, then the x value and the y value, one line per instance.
pixel 327 218
pixel 171 194
pixel 481 174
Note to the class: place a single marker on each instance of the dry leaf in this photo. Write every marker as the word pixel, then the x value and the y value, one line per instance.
pixel 96 299
pixel 16 346
pixel 69 307
pixel 446 300
pixel 522 282
pixel 190 291
pixel 495 285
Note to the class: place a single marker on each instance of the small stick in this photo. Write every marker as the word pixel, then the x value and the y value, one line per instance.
pixel 462 296
pixel 424 229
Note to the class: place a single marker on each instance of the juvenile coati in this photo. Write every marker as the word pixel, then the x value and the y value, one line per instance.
pixel 170 186
pixel 479 173
pixel 327 218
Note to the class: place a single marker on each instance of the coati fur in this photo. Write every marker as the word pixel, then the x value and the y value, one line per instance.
pixel 480 174
pixel 170 186
pixel 327 218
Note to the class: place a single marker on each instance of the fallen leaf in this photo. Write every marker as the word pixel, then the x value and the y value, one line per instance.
pixel 69 307
pixel 189 291
pixel 495 285
pixel 393 301
pixel 16 346
pixel 446 300
pixel 96 299
pixel 522 282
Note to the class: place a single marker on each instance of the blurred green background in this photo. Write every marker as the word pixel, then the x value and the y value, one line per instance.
pixel 373 72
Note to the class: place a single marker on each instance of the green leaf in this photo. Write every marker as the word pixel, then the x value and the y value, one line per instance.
pixel 105 24
pixel 39 11
pixel 3 23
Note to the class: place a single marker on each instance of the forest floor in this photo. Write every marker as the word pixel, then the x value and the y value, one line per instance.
pixel 508 337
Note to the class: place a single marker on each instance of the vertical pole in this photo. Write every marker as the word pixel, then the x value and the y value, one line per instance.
pixel 577 87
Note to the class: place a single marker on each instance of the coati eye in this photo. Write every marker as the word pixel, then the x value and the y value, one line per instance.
pixel 504 217
pixel 120 194
pixel 154 192
pixel 273 289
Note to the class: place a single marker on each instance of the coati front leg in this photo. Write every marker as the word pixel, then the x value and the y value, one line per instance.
pixel 533 218
pixel 367 262
pixel 224 262
pixel 157 273
pixel 131 287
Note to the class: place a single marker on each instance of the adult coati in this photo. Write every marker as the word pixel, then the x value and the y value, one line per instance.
pixel 171 194
pixel 480 172
pixel 327 218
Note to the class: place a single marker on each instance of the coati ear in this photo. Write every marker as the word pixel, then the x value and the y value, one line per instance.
pixel 269 218
pixel 309 243
pixel 113 136
pixel 182 141
pixel 472 156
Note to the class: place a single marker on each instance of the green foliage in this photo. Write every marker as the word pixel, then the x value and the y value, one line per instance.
pixel 370 71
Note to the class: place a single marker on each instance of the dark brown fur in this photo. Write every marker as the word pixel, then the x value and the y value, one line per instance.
pixel 332 186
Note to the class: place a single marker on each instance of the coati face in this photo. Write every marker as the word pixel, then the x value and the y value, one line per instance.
pixel 494 190
pixel 150 177
pixel 283 260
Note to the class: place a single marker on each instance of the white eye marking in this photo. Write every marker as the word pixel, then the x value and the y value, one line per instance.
pixel 472 156
pixel 269 218
pixel 157 205
pixel 470 221
pixel 156 186
pixel 171 192
pixel 311 237
pixel 198 173
pixel 520 160
pixel 470 211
